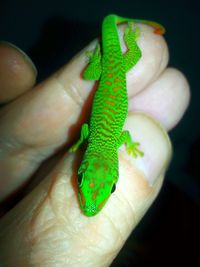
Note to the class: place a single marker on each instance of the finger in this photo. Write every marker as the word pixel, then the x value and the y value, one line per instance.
pixel 35 125
pixel 17 72
pixel 51 213
pixel 166 99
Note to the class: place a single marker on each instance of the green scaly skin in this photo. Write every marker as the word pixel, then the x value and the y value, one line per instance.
pixel 98 173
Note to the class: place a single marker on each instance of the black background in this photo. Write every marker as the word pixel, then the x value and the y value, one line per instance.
pixel 51 32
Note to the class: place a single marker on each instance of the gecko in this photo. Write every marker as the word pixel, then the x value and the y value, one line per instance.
pixel 99 171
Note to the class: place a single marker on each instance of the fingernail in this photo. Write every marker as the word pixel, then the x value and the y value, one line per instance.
pixel 26 57
pixel 154 142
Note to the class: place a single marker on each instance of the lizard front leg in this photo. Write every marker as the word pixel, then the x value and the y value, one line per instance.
pixel 131 146
pixel 83 137
pixel 93 70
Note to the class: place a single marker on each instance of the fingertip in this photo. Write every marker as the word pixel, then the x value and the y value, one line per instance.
pixel 17 72
pixel 154 142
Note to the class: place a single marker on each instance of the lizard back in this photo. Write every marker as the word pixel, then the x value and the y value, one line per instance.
pixel 110 102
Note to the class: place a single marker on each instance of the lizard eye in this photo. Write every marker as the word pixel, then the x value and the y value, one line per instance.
pixel 113 188
pixel 80 179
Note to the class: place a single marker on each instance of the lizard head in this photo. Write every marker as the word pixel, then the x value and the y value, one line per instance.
pixel 96 181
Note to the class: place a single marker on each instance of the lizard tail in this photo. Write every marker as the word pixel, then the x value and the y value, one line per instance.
pixel 158 28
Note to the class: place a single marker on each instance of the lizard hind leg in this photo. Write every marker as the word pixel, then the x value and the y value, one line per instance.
pixel 93 70
pixel 133 55
pixel 131 146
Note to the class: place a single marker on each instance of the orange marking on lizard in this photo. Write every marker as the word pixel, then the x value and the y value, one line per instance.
pixel 102 185
pixel 102 203
pixel 115 89
pixel 105 119
pixel 158 31
pixel 82 199
pixel 108 82
pixel 117 80
pixel 91 184
pixel 94 195
pixel 110 103
pixel 111 110
pixel 107 114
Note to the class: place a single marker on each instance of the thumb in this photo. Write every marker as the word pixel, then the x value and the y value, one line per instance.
pixel 47 228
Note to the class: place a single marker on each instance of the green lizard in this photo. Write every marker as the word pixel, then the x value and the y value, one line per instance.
pixel 98 173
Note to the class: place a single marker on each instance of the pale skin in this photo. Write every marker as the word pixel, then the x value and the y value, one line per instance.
pixel 47 226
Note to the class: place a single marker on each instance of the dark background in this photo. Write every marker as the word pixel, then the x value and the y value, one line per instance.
pixel 51 32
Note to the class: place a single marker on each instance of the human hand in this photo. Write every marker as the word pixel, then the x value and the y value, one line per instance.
pixel 47 227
